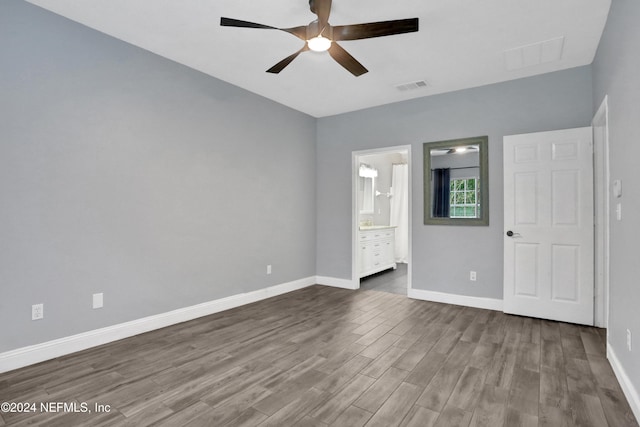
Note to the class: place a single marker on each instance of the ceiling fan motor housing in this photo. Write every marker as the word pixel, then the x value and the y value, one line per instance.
pixel 314 30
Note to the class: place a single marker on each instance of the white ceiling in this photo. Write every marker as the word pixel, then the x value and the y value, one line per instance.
pixel 461 43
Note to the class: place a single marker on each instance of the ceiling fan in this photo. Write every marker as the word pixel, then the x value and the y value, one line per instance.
pixel 320 36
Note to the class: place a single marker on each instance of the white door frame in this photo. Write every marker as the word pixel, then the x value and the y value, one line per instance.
pixel 355 253
pixel 601 194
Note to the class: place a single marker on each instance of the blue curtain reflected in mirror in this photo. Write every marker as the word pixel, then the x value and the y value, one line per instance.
pixel 441 189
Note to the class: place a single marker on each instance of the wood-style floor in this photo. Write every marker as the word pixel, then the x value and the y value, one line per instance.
pixel 323 356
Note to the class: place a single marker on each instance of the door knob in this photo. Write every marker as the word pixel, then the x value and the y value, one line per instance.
pixel 510 233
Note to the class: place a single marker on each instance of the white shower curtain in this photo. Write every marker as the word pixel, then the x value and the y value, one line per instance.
pixel 400 210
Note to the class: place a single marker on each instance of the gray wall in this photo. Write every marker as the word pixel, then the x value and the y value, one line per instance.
pixel 442 255
pixel 616 74
pixel 125 173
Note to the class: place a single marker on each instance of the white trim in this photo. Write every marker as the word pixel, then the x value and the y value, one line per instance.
pixel 602 199
pixel 467 301
pixel 628 388
pixel 25 356
pixel 338 283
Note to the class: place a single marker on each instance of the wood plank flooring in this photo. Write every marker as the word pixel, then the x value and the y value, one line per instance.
pixel 330 357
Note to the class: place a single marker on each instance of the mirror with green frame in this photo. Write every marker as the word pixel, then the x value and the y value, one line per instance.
pixel 456 182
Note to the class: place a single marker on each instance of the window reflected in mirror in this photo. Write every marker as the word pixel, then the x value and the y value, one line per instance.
pixel 455 179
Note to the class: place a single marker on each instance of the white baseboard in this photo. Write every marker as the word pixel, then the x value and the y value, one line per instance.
pixel 337 283
pixel 478 302
pixel 628 388
pixel 467 301
pixel 25 356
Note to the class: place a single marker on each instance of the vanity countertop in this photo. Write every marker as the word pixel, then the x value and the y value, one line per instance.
pixel 376 227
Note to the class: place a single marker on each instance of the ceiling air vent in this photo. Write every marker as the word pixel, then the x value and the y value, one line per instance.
pixel 534 54
pixel 420 84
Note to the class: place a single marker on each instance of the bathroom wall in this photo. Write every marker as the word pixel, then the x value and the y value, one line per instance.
pixel 384 164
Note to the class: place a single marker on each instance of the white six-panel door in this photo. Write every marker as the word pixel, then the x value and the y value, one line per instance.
pixel 548 219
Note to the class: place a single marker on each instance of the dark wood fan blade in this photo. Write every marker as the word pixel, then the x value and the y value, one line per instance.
pixel 286 61
pixel 375 29
pixel 230 22
pixel 343 58
pixel 300 32
pixel 322 8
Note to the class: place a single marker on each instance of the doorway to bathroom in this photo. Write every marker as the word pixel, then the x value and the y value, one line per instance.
pixel 381 219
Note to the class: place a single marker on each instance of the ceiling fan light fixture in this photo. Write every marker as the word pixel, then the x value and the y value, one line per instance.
pixel 319 44
pixel 319 35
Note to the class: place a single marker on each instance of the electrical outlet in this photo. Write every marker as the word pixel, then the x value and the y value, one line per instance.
pixel 269 269
pixel 37 311
pixel 472 276
pixel 628 339
pixel 98 300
